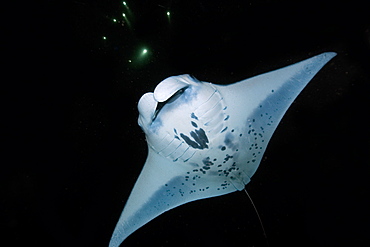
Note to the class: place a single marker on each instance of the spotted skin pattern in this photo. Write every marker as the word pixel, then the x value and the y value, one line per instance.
pixel 207 140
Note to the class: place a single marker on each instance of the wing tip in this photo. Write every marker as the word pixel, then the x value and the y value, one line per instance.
pixel 115 241
pixel 326 56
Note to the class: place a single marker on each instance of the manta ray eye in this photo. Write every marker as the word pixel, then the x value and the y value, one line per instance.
pixel 175 96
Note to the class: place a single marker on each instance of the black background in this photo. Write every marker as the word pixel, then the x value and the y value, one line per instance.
pixel 75 150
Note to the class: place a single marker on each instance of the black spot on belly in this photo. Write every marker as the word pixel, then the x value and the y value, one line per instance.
pixel 194 124
pixel 199 141
pixel 228 157
pixel 229 141
pixel 207 162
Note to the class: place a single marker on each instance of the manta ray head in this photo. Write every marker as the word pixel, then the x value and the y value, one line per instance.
pixel 182 117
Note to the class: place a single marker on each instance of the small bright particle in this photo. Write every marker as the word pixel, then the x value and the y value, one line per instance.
pixel 124 3
pixel 123 14
pixel 114 20
pixel 104 37
pixel 145 51
pixel 168 13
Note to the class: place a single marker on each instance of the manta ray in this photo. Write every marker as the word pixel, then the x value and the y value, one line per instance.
pixel 206 140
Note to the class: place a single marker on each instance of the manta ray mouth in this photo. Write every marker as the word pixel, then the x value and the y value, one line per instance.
pixel 160 105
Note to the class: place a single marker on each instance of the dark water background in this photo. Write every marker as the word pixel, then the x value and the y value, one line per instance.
pixel 75 149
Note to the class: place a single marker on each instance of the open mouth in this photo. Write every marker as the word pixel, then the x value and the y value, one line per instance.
pixel 173 98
